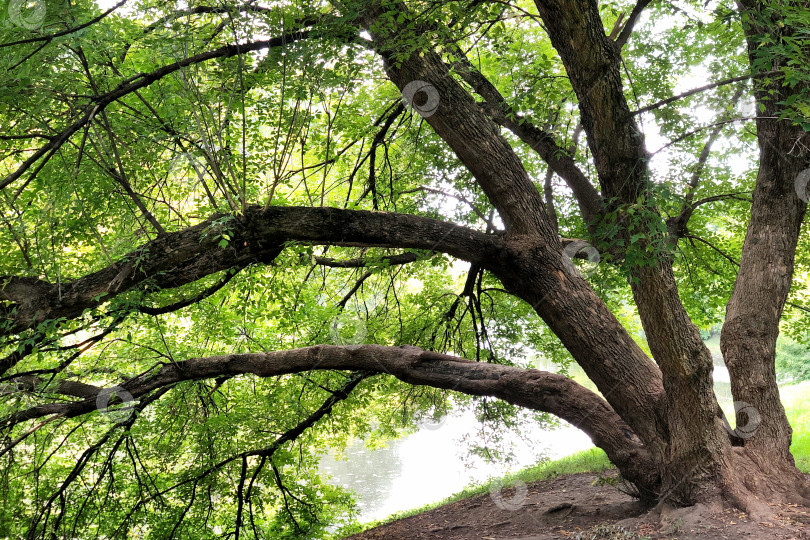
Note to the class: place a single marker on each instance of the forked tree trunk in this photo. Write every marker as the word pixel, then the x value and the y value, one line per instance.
pixel 748 339
pixel 659 420
pixel 699 462
pixel 672 407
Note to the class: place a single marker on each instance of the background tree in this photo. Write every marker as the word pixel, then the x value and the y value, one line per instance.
pixel 229 244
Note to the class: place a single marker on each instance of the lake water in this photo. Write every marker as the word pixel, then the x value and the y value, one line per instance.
pixel 434 463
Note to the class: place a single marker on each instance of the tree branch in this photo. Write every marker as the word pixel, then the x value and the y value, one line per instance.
pixel 267 452
pixel 459 121
pixel 557 157
pixel 702 89
pixel 137 82
pixel 631 22
pixel 677 225
pixel 391 260
pixel 537 390
pixel 182 257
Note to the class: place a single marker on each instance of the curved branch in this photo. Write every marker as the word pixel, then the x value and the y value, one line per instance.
pixel 631 22
pixel 390 260
pixel 148 310
pixel 558 159
pixel 459 121
pixel 677 225
pixel 534 389
pixel 224 242
pixel 703 88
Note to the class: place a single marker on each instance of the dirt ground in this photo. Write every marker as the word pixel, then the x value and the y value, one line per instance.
pixel 574 507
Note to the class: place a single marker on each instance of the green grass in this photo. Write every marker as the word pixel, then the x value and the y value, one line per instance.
pixel 713 343
pixel 797 405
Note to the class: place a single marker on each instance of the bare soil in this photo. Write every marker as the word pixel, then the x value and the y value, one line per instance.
pixel 576 507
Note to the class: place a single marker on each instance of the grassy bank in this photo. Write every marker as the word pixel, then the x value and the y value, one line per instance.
pixel 797 405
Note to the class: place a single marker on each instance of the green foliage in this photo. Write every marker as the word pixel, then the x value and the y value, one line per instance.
pixel 792 361
pixel 293 126
pixel 785 53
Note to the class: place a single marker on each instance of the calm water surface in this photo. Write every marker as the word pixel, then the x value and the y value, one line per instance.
pixel 434 463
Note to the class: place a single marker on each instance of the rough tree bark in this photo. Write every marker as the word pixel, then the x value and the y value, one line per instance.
pixel 657 417
pixel 538 390
pixel 748 338
pixel 699 463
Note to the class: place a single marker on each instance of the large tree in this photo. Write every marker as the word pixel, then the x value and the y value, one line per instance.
pixel 246 223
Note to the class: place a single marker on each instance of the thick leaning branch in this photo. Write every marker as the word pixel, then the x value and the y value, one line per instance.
pixel 259 235
pixel 538 271
pixel 763 283
pixel 534 389
pixel 460 122
pixel 558 159
pixel 593 63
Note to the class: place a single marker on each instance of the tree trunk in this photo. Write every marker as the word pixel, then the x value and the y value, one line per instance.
pixel 748 338
pixel 657 418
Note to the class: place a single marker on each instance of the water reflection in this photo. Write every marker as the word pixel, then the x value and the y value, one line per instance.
pixel 432 464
